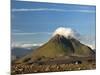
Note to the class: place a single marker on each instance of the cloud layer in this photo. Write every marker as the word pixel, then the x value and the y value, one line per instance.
pixel 50 9
pixel 30 33
pixel 28 46
pixel 67 32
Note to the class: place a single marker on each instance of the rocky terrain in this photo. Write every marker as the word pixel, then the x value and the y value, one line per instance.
pixel 38 68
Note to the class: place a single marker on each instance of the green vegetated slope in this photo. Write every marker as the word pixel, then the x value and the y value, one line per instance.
pixel 58 46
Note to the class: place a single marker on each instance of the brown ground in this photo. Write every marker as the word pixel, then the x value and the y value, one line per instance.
pixel 36 68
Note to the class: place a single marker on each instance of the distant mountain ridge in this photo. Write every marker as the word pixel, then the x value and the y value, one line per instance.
pixel 18 52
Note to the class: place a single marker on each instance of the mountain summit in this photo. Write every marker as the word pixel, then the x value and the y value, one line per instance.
pixel 62 46
pixel 59 46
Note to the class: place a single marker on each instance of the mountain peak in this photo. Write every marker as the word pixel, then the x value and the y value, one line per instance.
pixel 58 38
pixel 62 43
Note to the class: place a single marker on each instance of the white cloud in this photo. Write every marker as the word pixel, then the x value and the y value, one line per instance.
pixel 30 45
pixel 91 46
pixel 67 32
pixel 35 33
pixel 50 9
pixel 88 40
pixel 36 9
pixel 26 45
pixel 15 30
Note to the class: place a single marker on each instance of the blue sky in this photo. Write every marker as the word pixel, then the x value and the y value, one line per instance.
pixel 34 22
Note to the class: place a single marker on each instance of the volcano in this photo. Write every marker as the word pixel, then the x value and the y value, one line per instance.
pixel 59 46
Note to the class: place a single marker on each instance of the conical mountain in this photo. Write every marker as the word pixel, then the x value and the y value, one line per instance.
pixel 59 46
